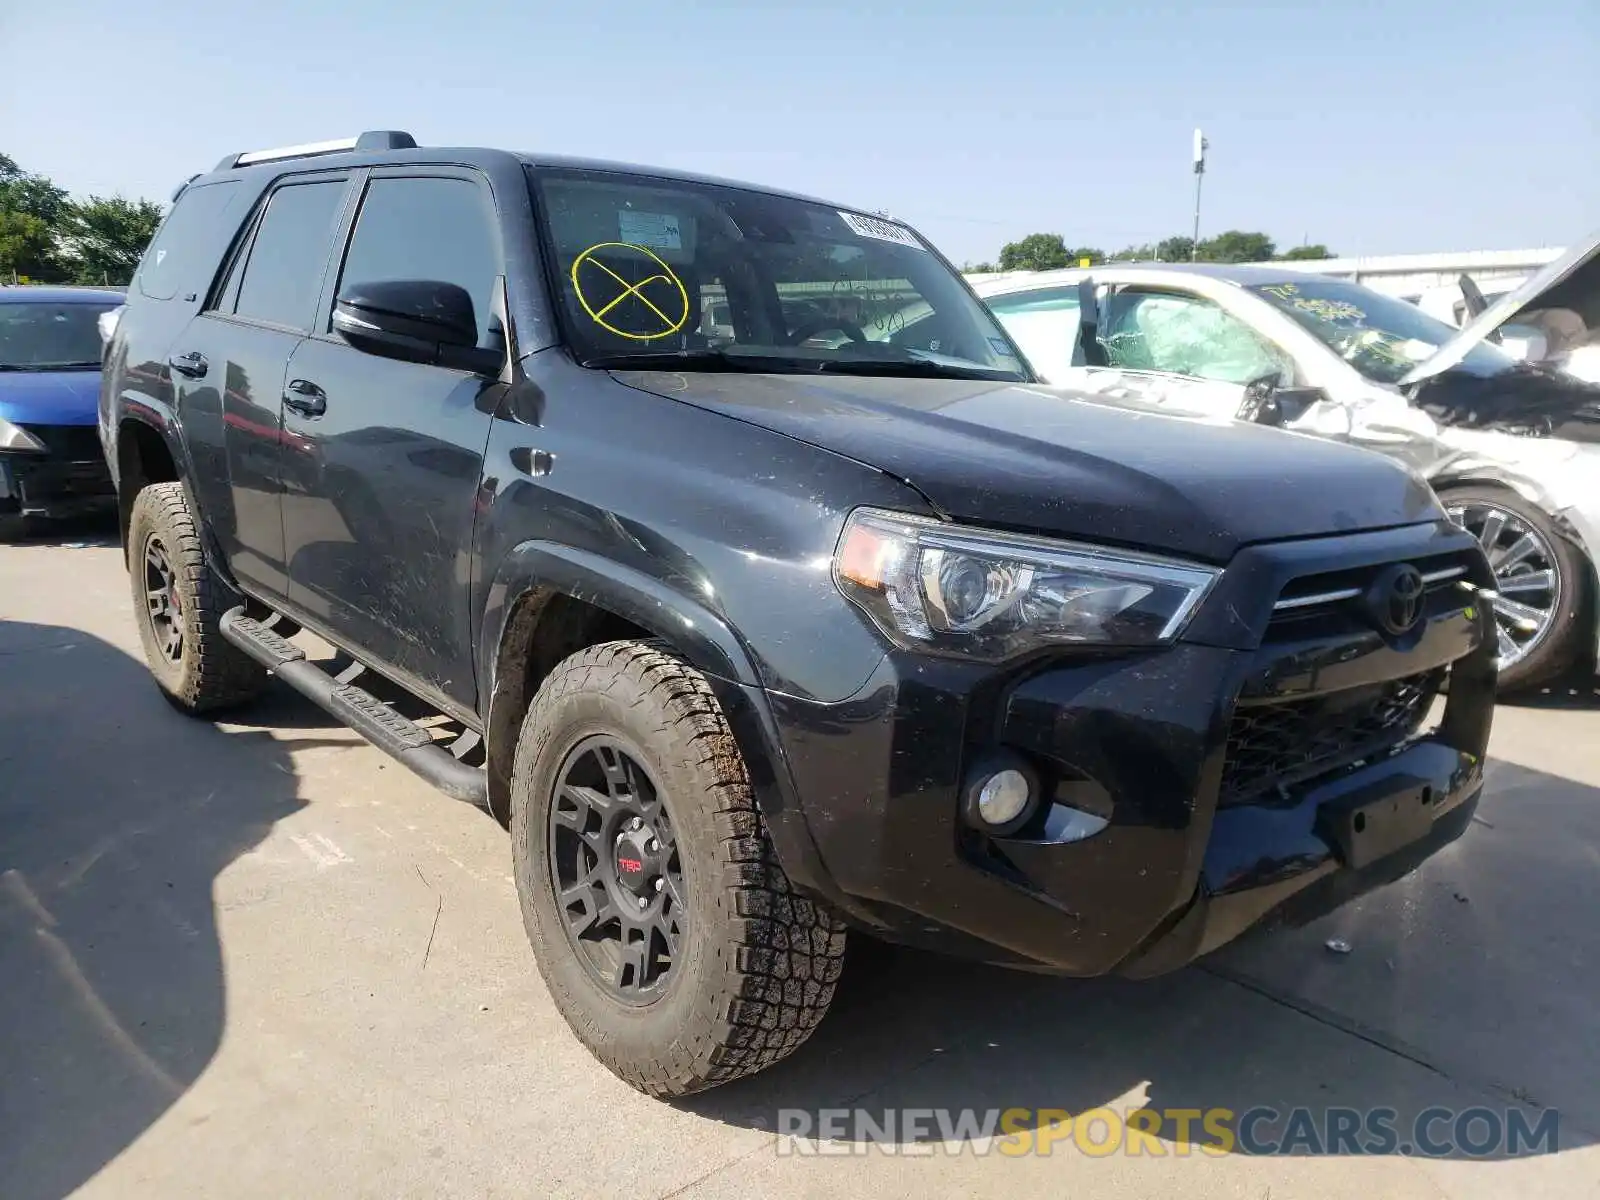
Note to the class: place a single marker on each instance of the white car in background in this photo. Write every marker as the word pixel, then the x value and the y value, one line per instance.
pixel 1512 449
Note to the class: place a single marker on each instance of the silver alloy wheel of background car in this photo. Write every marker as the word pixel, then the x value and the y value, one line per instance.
pixel 1527 576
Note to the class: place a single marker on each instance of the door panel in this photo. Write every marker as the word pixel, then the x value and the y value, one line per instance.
pixel 233 407
pixel 381 486
pixel 379 504
pixel 228 367
pixel 1044 322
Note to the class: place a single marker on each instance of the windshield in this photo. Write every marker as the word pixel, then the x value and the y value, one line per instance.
pixel 665 270
pixel 1381 336
pixel 38 336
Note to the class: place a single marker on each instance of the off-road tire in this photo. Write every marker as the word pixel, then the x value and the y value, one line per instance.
pixel 759 963
pixel 1570 640
pixel 211 673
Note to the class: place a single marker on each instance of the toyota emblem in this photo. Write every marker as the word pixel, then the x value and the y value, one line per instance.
pixel 1394 602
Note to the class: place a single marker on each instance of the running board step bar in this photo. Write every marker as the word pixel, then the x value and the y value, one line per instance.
pixel 400 738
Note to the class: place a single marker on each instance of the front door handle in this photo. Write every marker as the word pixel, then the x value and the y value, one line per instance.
pixel 305 398
pixel 192 365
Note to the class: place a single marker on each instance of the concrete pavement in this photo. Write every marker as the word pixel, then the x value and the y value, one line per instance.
pixel 258 959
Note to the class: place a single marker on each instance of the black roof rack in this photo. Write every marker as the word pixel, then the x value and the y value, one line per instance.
pixel 373 139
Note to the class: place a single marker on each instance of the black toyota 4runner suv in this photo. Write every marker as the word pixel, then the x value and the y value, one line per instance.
pixel 760 605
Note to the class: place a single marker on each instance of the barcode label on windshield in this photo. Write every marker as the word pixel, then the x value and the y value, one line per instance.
pixel 883 231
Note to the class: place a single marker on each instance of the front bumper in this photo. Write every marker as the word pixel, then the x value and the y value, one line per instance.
pixel 69 479
pixel 1197 848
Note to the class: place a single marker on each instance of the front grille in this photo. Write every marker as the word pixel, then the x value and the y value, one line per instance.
pixel 74 443
pixel 1314 604
pixel 1279 745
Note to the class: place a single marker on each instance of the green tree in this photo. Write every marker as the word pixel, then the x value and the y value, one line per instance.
pixel 1306 253
pixel 33 195
pixel 30 207
pixel 1143 252
pixel 104 236
pixel 1036 252
pixel 1175 249
pixel 27 248
pixel 1237 246
pixel 978 268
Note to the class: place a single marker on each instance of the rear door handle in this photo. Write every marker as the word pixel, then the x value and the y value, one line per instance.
pixel 192 365
pixel 305 398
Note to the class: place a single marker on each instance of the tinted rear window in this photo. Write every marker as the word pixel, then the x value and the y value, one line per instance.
pixel 286 260
pixel 184 253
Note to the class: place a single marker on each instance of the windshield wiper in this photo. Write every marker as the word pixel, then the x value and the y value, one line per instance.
pixel 777 364
pixel 692 360
pixel 50 366
pixel 917 368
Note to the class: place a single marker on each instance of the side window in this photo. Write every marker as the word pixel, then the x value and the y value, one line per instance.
pixel 417 228
pixel 1044 324
pixel 283 271
pixel 190 240
pixel 1187 335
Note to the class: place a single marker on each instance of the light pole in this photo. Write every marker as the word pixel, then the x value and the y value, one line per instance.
pixel 1200 148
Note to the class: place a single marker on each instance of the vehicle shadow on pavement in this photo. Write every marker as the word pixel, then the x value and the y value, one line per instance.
pixel 116 816
pixel 1469 984
pixel 73 533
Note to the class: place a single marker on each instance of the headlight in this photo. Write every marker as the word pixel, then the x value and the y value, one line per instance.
pixel 13 437
pixel 955 590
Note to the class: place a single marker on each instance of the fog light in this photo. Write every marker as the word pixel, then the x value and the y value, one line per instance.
pixel 1001 795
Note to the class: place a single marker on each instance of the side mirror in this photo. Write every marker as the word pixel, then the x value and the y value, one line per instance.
pixel 1266 403
pixel 1293 401
pixel 414 320
pixel 107 324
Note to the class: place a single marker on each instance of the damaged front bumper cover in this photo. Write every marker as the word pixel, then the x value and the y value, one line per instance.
pixel 1183 858
pixel 1273 864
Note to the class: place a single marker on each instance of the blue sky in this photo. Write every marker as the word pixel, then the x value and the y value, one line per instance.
pixel 1407 125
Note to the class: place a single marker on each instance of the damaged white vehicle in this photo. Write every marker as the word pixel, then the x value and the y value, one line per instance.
pixel 1512 447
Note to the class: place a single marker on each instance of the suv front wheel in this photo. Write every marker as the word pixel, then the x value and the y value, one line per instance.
pixel 178 603
pixel 665 929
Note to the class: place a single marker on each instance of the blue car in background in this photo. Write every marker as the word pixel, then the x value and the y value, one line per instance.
pixel 51 463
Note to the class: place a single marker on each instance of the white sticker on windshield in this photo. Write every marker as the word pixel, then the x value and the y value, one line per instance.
pixel 883 231
pixel 659 231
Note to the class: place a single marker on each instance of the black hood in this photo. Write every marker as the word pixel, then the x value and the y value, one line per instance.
pixel 1050 461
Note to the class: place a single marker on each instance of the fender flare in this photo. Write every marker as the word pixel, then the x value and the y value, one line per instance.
pixel 165 426
pixel 706 642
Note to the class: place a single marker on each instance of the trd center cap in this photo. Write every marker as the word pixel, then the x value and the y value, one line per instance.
pixel 636 866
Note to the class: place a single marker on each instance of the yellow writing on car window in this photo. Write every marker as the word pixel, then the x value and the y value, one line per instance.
pixel 1330 310
pixel 601 289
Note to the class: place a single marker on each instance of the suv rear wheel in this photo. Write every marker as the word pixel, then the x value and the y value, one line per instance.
pixel 178 603
pixel 663 925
